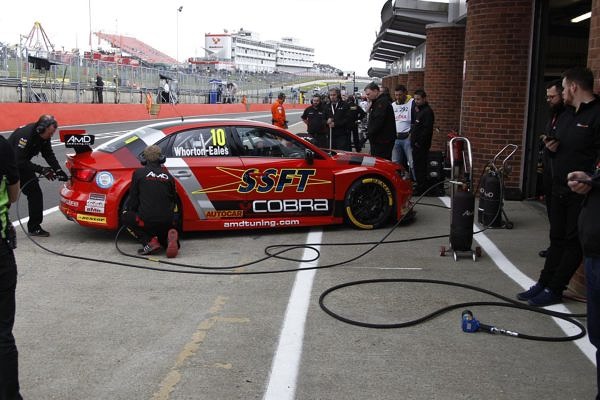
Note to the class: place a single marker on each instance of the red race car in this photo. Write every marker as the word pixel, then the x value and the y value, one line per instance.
pixel 235 174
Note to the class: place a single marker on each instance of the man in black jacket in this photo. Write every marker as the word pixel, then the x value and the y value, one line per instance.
pixel 99 88
pixel 589 234
pixel 27 142
pixel 557 112
pixel 337 120
pixel 421 134
pixel 356 115
pixel 315 119
pixel 381 130
pixel 149 210
pixel 9 192
pixel 575 148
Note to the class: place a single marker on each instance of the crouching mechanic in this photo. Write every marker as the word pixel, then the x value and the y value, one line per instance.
pixel 150 210
pixel 27 142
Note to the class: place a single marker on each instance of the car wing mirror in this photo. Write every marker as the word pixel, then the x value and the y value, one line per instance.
pixel 309 156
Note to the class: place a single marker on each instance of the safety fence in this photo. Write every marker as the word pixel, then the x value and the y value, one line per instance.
pixel 71 78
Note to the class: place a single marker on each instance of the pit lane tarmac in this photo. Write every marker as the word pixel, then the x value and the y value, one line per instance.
pixel 89 330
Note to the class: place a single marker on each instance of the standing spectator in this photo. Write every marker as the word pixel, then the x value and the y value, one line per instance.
pixel 99 88
pixel 357 114
pixel 589 234
pixel 9 193
pixel 337 121
pixel 575 148
pixel 402 105
pixel 557 111
pixel 150 210
pixel 315 119
pixel 420 138
pixel 381 131
pixel 27 142
pixel 166 89
pixel 278 112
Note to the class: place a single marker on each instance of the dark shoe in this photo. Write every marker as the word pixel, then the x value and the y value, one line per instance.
pixel 151 247
pixel 545 298
pixel 39 232
pixel 543 253
pixel 172 243
pixel 531 292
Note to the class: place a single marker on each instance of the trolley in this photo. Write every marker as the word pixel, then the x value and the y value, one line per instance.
pixel 462 201
pixel 491 212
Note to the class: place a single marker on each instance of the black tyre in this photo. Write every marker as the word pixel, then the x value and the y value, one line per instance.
pixel 368 203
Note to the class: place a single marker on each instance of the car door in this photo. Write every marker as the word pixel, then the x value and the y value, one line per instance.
pixel 278 180
pixel 206 170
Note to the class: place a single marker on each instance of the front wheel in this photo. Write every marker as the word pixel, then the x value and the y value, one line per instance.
pixel 368 203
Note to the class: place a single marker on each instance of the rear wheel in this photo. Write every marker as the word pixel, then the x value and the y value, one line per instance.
pixel 368 203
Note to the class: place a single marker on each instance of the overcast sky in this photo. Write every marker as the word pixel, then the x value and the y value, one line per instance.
pixel 342 32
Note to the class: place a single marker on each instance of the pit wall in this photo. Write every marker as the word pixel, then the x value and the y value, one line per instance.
pixel 13 115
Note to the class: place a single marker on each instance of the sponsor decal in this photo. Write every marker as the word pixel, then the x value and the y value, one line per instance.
pixel 290 205
pixel 72 141
pixel 94 219
pixel 201 152
pixel 97 196
pixel 95 203
pixel 104 179
pixel 216 214
pixel 261 223
pixel 157 177
pixel 69 203
pixel 253 179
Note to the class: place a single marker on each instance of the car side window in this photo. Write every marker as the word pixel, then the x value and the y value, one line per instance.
pixel 262 142
pixel 202 142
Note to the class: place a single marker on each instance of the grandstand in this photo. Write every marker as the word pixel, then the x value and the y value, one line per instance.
pixel 136 48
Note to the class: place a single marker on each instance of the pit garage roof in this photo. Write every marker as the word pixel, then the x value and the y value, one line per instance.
pixel 403 27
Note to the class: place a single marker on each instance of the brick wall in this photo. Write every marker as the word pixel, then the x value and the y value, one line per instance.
pixel 403 79
pixel 386 81
pixel 443 77
pixel 415 80
pixel 497 43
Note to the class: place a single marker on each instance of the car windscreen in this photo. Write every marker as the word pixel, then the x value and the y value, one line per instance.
pixel 146 135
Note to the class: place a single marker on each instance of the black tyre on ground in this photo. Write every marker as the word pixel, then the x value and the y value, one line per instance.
pixel 369 203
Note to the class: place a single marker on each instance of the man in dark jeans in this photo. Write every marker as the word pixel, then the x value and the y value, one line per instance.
pixel 27 142
pixel 557 111
pixel 420 138
pixel 381 130
pixel 575 148
pixel 9 191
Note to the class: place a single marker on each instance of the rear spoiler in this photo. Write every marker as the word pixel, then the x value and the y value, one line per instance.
pixel 77 139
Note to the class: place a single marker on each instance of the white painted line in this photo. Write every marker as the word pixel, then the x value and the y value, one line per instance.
pixel 525 282
pixel 46 212
pixel 286 363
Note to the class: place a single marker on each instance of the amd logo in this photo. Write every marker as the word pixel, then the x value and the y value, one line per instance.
pixel 79 140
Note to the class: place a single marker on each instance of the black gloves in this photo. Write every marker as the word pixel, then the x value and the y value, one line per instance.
pixel 52 174
pixel 48 173
pixel 61 175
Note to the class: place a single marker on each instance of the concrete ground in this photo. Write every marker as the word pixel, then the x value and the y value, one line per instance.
pixel 138 329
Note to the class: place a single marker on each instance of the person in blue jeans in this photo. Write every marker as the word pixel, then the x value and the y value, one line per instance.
pixel 402 152
pixel 589 235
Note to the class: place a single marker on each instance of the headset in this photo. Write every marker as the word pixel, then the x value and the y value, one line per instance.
pixel 45 122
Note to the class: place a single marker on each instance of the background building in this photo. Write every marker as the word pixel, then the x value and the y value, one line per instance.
pixel 244 51
pixel 486 78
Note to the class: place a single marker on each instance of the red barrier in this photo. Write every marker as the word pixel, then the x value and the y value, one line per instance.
pixel 17 114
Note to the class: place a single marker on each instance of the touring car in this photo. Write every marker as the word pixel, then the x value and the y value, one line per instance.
pixel 237 174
